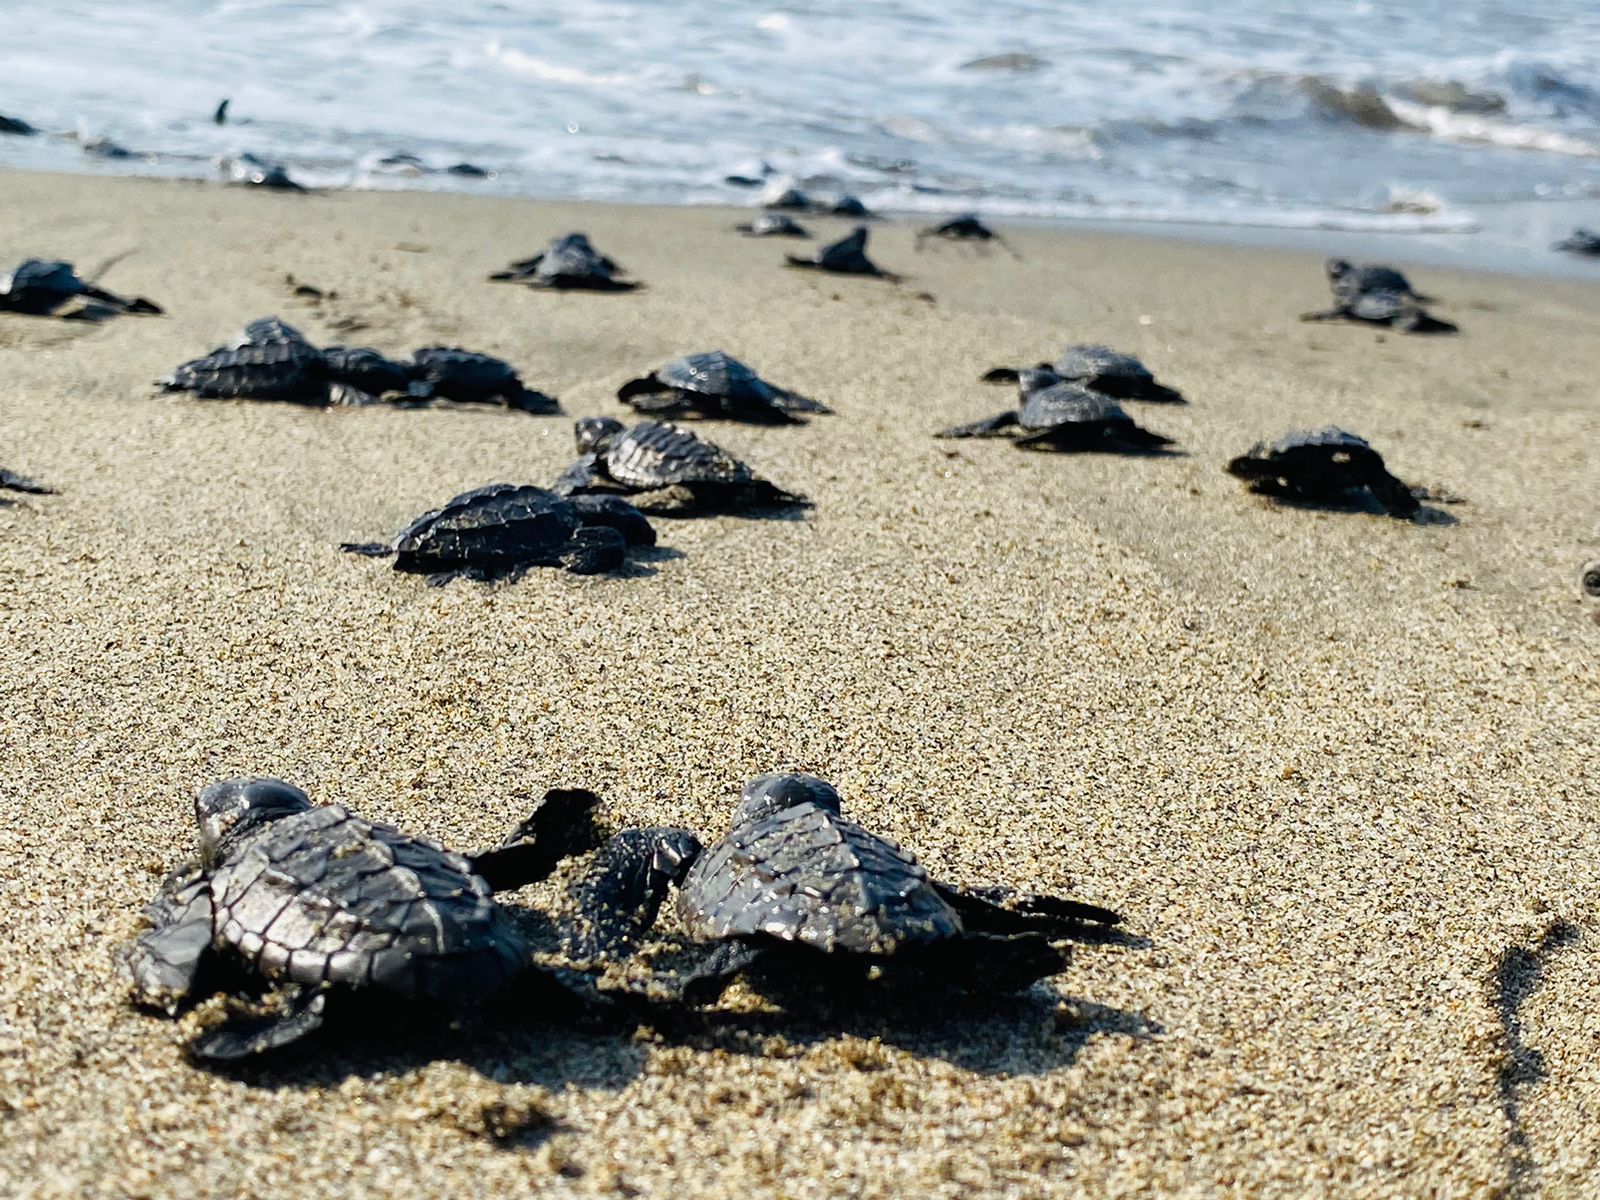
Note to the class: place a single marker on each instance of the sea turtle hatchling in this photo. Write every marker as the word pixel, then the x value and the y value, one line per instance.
pixel 797 892
pixel 665 471
pixel 847 256
pixel 467 377
pixel 567 263
pixel 1063 416
pixel 318 908
pixel 1101 369
pixel 501 530
pixel 43 289
pixel 714 385
pixel 773 224
pixel 10 481
pixel 1347 279
pixel 1580 241
pixel 1326 466
pixel 964 228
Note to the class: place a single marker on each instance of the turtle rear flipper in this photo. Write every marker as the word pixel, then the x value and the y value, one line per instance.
pixel 1397 498
pixel 368 549
pixel 705 982
pixel 794 402
pixel 1415 320
pixel 998 425
pixel 1002 910
pixel 165 960
pixel 245 1035
pixel 530 401
pixel 561 824
pixel 986 962
pixel 594 550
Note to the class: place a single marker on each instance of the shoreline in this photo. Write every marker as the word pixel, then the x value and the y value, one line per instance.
pixel 1510 238
pixel 1335 769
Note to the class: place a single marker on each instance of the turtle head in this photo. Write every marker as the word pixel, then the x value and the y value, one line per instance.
pixel 225 811
pixel 595 434
pixel 768 795
pixel 1338 268
pixel 1036 379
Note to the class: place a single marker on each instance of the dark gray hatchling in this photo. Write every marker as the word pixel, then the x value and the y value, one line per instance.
pixel 40 288
pixel 665 471
pixel 797 892
pixel 847 256
pixel 319 908
pixel 1347 279
pixel 964 228
pixel 1326 466
pixel 467 377
pixel 568 263
pixel 715 385
pixel 1377 295
pixel 1056 415
pixel 284 370
pixel 773 224
pixel 1099 368
pixel 1580 241
pixel 502 530
pixel 10 481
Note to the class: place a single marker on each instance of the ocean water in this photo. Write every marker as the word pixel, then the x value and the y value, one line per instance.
pixel 1377 115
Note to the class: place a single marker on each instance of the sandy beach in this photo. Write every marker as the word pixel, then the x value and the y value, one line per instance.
pixel 1337 770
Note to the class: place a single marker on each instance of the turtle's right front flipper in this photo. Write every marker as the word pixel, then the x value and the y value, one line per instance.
pixel 165 960
pixel 995 426
pixel 620 896
pixel 561 825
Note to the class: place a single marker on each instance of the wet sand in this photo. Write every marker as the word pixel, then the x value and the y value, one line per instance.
pixel 1336 769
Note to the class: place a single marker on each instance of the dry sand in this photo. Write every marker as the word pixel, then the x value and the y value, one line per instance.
pixel 1336 769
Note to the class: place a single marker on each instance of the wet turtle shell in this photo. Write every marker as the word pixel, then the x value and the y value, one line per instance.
pixel 465 376
pixel 1328 466
pixel 569 262
pixel 287 370
pixel 714 385
pixel 773 224
pixel 1346 279
pixel 500 530
pixel 665 470
pixel 315 899
pixel 1064 416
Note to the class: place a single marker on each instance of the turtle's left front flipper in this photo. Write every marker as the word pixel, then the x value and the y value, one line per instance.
pixel 561 825
pixel 165 960
pixel 1003 910
pixel 245 1035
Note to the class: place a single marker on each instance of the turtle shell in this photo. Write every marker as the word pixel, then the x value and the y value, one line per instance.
pixel 571 258
pixel 717 374
pixel 808 875
pixel 323 896
pixel 38 287
pixel 1070 404
pixel 280 370
pixel 270 329
pixel 656 454
pixel 465 375
pixel 497 527
pixel 1100 362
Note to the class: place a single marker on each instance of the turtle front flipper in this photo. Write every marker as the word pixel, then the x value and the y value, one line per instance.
pixel 165 960
pixel 1326 314
pixel 995 426
pixel 561 824
pixel 1397 498
pixel 13 482
pixel 999 375
pixel 794 402
pixel 368 549
pixel 616 513
pixel 594 550
pixel 244 1035
pixel 620 896
pixel 708 979
pixel 1002 910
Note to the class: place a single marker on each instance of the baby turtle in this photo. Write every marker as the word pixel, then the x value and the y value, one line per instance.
pixel 798 892
pixel 788 199
pixel 42 289
pixel 773 225
pixel 847 206
pixel 847 256
pixel 665 471
pixel 252 171
pixel 290 371
pixel 714 385
pixel 320 907
pixel 964 228
pixel 1063 416
pixel 450 373
pixel 1393 309
pixel 1347 279
pixel 1580 241
pixel 501 530
pixel 1324 466
pixel 567 263
pixel 1102 369
pixel 10 481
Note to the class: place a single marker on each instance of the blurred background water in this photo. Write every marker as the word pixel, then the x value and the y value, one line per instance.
pixel 1378 115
